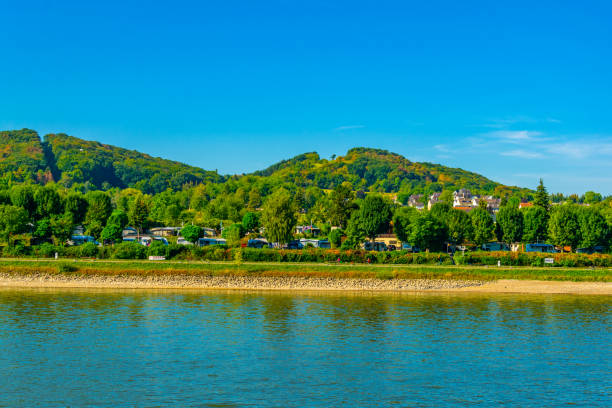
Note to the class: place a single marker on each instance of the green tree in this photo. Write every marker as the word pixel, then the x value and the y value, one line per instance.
pixel 563 226
pixel 278 217
pixel 591 197
pixel 460 227
pixel 483 226
pixel 232 234
pixel 23 196
pixel 13 220
pixel 535 225
pixel 355 234
pixel 61 228
pixel 254 199
pixel 335 238
pixel 440 211
pixel 42 229
pixel 446 197
pixel 511 222
pixel 250 221
pixel 116 223
pixel 172 214
pixel 375 213
pixel 341 205
pixel 403 219
pixel 112 232
pixel 139 213
pixel 541 197
pixel 76 206
pixel 99 208
pixel 192 233
pixel 429 233
pixel 594 230
pixel 48 202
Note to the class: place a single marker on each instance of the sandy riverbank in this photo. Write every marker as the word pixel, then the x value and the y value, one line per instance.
pixel 536 286
pixel 45 280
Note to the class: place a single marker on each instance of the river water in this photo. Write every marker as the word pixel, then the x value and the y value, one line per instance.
pixel 77 348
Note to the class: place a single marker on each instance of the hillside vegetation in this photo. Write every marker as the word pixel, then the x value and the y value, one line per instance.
pixel 89 165
pixel 105 166
pixel 378 170
pixel 22 157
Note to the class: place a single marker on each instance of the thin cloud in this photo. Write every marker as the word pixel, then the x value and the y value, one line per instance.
pixel 349 127
pixel 505 123
pixel 441 148
pixel 515 135
pixel 523 154
pixel 581 149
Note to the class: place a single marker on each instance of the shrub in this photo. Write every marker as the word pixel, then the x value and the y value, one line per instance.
pixel 176 251
pixel 533 259
pixel 89 250
pixel 15 251
pixel 129 250
pixel 72 252
pixel 45 250
pixel 157 248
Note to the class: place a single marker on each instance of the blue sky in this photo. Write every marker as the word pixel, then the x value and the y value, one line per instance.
pixel 512 90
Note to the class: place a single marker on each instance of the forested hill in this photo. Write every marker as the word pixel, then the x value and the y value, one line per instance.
pixel 379 170
pixel 22 157
pixel 82 161
pixel 74 162
pixel 86 165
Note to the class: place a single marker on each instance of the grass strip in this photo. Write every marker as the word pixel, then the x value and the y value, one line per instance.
pixel 169 268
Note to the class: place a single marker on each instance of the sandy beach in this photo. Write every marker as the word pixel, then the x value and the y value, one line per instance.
pixel 45 280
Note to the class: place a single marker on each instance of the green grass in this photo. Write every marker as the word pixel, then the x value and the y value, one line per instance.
pixel 150 268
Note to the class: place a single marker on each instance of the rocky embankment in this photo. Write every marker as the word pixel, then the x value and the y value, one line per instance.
pixel 228 282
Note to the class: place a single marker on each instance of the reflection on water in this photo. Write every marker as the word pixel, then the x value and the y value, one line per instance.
pixel 168 348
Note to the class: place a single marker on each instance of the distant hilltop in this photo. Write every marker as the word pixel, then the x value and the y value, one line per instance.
pixel 73 162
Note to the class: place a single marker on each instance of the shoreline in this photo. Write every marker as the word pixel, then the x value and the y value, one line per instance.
pixel 294 283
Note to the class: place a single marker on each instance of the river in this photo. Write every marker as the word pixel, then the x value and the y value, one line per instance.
pixel 136 348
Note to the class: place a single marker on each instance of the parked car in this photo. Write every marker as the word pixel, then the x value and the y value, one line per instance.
pixel 593 250
pixel 183 241
pixel 258 243
pixel 82 239
pixel 495 246
pixel 407 247
pixel 546 248
pixel 325 244
pixel 375 246
pixel 211 241
pixel 146 240
pixel 294 244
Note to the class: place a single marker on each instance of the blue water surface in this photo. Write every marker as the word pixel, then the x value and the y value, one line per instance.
pixel 77 348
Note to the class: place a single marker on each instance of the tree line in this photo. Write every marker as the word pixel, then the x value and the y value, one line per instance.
pixel 50 213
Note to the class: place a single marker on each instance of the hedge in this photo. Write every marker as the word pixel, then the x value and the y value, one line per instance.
pixel 534 259
pixel 132 250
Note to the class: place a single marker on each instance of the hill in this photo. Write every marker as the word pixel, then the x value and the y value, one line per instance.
pixel 379 170
pixel 22 156
pixel 82 161
pixel 74 162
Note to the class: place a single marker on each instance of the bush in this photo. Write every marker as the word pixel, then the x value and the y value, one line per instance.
pixel 88 250
pixel 533 259
pixel 129 250
pixel 176 251
pixel 157 248
pixel 16 251
pixel 46 250
pixel 72 252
